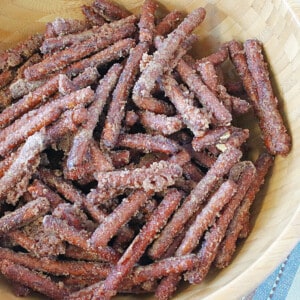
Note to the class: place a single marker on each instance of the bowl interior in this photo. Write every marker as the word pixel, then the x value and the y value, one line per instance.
pixel 276 226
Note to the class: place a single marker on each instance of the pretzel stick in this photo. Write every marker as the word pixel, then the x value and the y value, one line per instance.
pixel 238 58
pixel 206 217
pixel 191 204
pixel 262 164
pixel 38 122
pixel 212 136
pixel 6 77
pixel 5 98
pixel 131 118
pixel 156 177
pixel 168 23
pixel 36 241
pixel 7 162
pixel 210 77
pixel 67 123
pixel 88 77
pixel 116 112
pixel 16 180
pixel 40 118
pixel 160 123
pixel 148 143
pixel 192 172
pixel 240 62
pixel 56 267
pixel 35 281
pixel 74 216
pixel 145 174
pixel 119 158
pixel 246 227
pixel 167 286
pixel 33 59
pixel 100 159
pixel 20 290
pixel 24 215
pixel 110 10
pixel 133 253
pixel 77 283
pixel 70 192
pixel 163 268
pixel 156 106
pixel 94 161
pixel 60 185
pixel 26 242
pixel 238 105
pixel 123 238
pixel 61 26
pixel 217 57
pixel 228 245
pixel 83 137
pixel 179 238
pixel 22 51
pixel 195 231
pixel 61 59
pixel 61 42
pixel 221 137
pixel 203 158
pixel 147 21
pixel 194 118
pixel 214 237
pixel 275 135
pixel 141 274
pixel 185 46
pixel 38 189
pixel 49 32
pixel 121 215
pixel 20 87
pixel 181 158
pixel 117 50
pixel 164 54
pixel 101 195
pixel 66 86
pixel 77 238
pixel 22 168
pixel 235 87
pixel 92 17
pixel 145 288
pixel 204 95
pixel 208 74
pixel 28 102
pixel 237 137
pixel 58 43
pixel 79 254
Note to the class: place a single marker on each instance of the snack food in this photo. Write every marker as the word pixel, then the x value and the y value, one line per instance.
pixel 115 182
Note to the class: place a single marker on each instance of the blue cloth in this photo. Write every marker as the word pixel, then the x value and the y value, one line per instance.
pixel 284 282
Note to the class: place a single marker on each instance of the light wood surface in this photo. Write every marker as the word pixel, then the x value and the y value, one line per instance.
pixel 277 23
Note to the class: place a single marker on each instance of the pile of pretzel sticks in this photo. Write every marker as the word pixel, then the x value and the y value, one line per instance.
pixel 121 170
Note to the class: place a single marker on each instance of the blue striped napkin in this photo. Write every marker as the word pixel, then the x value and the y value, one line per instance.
pixel 283 283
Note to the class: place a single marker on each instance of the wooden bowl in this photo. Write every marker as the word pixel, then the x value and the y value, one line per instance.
pixel 276 225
